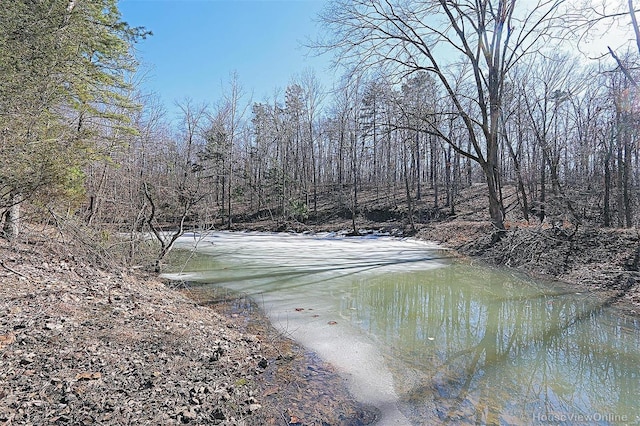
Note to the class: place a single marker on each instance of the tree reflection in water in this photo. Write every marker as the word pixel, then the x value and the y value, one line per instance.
pixel 475 345
pixel 466 344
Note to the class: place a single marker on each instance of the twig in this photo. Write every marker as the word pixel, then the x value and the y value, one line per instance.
pixel 8 422
pixel 12 270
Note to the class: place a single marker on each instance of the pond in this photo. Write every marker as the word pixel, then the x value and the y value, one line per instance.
pixel 429 339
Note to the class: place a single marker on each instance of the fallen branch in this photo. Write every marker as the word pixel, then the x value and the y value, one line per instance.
pixel 13 270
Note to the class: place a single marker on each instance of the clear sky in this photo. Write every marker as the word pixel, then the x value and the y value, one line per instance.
pixel 197 45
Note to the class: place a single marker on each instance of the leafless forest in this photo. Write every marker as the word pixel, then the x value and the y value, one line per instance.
pixel 436 96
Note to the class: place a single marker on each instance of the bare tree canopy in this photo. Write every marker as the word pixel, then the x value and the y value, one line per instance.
pixel 472 41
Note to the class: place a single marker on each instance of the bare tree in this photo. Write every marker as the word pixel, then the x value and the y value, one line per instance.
pixel 547 86
pixel 487 38
pixel 235 115
pixel 181 184
pixel 313 96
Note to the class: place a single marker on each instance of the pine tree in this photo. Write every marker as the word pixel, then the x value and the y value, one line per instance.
pixel 64 67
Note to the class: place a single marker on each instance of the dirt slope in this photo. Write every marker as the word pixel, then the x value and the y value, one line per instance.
pixel 83 346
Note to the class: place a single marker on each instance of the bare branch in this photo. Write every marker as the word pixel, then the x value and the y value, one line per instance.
pixel 623 68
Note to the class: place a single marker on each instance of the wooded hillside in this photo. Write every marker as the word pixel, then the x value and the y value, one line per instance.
pixel 436 97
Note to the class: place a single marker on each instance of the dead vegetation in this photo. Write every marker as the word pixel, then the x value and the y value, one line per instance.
pixel 82 345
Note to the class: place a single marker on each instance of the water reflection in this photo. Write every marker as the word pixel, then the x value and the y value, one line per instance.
pixel 487 347
pixel 458 344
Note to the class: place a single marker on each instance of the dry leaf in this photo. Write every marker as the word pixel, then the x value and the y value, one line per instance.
pixel 271 391
pixel 6 340
pixel 88 375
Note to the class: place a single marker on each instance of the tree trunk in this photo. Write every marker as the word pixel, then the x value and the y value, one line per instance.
pixel 626 183
pixel 354 170
pixel 521 188
pixel 492 173
pixel 495 202
pixel 223 203
pixel 314 170
pixel 407 187
pixel 606 213
pixel 418 167
pixel 543 186
pixel 433 173
pixel 229 218
pixel 620 183
pixel 11 228
pixel 447 176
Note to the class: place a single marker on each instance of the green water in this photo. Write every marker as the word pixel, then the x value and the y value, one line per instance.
pixel 473 344
pixel 431 340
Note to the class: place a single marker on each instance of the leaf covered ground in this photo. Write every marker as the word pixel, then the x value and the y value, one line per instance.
pixel 79 345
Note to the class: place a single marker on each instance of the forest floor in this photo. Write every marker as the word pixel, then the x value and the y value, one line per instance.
pixel 82 345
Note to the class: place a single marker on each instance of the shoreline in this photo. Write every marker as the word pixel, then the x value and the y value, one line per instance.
pixel 604 261
pixel 321 397
pixel 79 345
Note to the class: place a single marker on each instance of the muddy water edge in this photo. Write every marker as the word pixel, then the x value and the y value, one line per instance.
pixel 295 386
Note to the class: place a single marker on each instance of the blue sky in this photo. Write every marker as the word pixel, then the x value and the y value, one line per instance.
pixel 197 45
